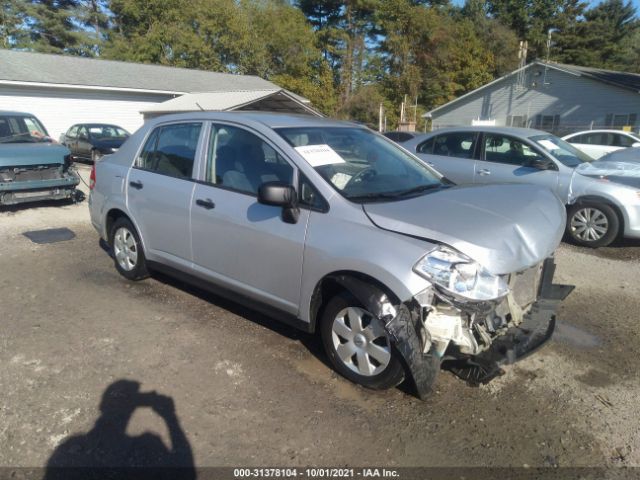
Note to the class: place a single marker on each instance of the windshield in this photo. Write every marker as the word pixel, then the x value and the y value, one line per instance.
pixel 22 129
pixel 563 151
pixel 361 165
pixel 107 132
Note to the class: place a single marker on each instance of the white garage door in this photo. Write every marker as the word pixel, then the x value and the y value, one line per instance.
pixel 58 109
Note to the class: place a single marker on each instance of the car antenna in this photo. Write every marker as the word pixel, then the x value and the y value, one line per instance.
pixel 202 109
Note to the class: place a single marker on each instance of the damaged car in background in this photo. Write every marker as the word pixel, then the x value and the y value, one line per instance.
pixel 334 229
pixel 33 167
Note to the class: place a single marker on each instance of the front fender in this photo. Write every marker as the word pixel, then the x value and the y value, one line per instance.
pixel 404 327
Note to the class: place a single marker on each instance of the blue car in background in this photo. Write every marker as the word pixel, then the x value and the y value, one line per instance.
pixel 33 166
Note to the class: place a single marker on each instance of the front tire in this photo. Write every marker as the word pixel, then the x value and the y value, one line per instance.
pixel 128 254
pixel 358 346
pixel 592 224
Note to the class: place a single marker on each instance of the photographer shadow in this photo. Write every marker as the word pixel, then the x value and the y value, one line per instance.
pixel 106 451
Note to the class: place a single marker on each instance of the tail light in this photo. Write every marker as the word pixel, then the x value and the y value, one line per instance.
pixel 92 177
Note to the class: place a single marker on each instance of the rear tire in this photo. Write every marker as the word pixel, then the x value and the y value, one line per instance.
pixel 357 345
pixel 592 224
pixel 128 254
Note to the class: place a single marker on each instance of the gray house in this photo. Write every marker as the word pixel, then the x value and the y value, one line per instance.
pixel 549 96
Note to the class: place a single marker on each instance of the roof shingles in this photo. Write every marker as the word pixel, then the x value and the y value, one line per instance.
pixel 17 66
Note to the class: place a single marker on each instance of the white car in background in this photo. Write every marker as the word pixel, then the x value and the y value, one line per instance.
pixel 597 143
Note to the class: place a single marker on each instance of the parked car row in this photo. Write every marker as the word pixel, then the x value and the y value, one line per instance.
pixel 602 202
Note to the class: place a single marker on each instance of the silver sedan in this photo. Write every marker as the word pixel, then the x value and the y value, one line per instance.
pixel 603 201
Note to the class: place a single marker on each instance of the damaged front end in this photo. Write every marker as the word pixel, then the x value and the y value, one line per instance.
pixel 28 183
pixel 472 338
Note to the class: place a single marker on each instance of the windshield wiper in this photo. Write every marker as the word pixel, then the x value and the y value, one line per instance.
pixel 418 189
pixel 399 194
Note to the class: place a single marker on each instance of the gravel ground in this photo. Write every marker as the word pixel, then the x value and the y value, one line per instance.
pixel 249 391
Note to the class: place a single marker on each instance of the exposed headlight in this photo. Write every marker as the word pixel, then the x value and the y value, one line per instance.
pixel 461 276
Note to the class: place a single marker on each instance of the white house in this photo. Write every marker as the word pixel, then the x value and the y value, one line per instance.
pixel 63 90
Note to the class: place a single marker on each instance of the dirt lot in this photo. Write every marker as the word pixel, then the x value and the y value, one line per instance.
pixel 248 391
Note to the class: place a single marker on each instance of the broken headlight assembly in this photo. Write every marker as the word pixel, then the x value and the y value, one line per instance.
pixel 460 276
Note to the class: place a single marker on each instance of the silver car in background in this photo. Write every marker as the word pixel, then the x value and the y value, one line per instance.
pixel 333 228
pixel 602 202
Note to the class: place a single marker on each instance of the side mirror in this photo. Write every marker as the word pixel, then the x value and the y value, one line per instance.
pixel 542 164
pixel 279 194
pixel 635 144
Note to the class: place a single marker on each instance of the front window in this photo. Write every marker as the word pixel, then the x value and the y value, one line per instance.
pixel 563 151
pixel 509 150
pixel 107 132
pixel 22 129
pixel 361 165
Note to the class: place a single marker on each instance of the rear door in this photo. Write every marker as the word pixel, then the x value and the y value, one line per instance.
pixel 238 242
pixel 159 190
pixel 71 140
pixel 83 144
pixel 453 154
pixel 507 159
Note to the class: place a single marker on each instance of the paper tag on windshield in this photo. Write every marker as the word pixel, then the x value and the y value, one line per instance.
pixel 318 155
pixel 548 144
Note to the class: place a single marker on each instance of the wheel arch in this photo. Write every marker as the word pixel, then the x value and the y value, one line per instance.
pixel 365 288
pixel 112 215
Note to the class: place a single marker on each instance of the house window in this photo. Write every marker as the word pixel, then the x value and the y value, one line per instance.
pixel 621 120
pixel 548 122
pixel 517 121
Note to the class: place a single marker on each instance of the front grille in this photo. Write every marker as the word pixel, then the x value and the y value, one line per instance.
pixel 525 285
pixel 31 173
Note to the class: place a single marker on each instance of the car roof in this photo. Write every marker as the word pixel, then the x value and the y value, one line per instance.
pixel 96 125
pixel 269 119
pixel 515 131
pixel 522 132
pixel 601 130
pixel 20 114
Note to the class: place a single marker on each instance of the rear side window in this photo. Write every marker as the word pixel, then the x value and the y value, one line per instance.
pixel 458 144
pixel 620 140
pixel 426 147
pixel 171 150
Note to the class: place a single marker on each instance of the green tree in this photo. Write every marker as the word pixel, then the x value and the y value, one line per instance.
pixel 607 37
pixel 531 20
pixel 12 16
pixel 50 26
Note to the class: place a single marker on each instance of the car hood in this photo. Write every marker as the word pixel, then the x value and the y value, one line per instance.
pixel 23 154
pixel 506 228
pixel 115 143
pixel 625 172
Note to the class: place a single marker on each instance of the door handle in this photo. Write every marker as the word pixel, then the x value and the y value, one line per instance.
pixel 205 203
pixel 431 164
pixel 136 185
pixel 484 171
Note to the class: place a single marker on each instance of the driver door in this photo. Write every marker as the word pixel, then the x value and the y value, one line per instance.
pixel 506 159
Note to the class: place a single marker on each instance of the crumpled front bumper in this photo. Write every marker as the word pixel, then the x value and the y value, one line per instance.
pixel 519 341
pixel 12 193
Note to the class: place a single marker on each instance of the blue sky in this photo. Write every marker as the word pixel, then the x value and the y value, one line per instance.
pixel 636 3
